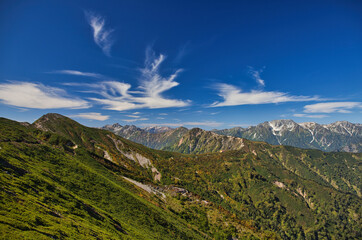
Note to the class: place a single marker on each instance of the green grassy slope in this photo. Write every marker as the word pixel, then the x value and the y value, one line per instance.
pixel 48 193
pixel 64 180
pixel 268 196
pixel 57 187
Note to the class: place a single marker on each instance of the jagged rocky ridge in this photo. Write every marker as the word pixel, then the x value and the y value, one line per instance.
pixel 156 140
pixel 339 136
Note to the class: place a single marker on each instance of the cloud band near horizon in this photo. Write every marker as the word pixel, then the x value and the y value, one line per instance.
pixel 38 96
pixel 233 96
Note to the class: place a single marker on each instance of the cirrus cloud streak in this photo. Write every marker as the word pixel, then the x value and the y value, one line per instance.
pixel 310 115
pixel 79 73
pixel 102 36
pixel 91 116
pixel 135 120
pixel 233 96
pixel 256 75
pixel 332 107
pixel 119 97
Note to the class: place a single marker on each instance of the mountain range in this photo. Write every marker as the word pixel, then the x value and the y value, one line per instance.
pixel 63 180
pixel 339 136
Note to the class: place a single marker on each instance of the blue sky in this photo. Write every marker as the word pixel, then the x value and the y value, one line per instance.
pixel 208 64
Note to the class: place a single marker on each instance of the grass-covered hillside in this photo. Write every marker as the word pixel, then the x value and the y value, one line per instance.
pixel 339 170
pixel 62 180
pixel 53 189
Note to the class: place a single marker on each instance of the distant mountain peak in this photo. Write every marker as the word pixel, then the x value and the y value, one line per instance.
pixel 116 125
pixel 345 127
pixel 112 126
pixel 157 129
pixel 181 128
pixel 197 130
pixel 283 121
pixel 278 126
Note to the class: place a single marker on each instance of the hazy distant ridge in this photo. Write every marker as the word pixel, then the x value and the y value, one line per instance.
pixel 339 136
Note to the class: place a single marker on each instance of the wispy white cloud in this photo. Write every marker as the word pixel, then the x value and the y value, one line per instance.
pixel 310 115
pixel 234 96
pixel 91 116
pixel 133 116
pixel 79 73
pixel 198 124
pixel 118 96
pixel 256 75
pixel 214 113
pixel 102 36
pixel 135 120
pixel 331 107
pixel 160 118
pixel 163 114
pixel 183 109
pixel 38 96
